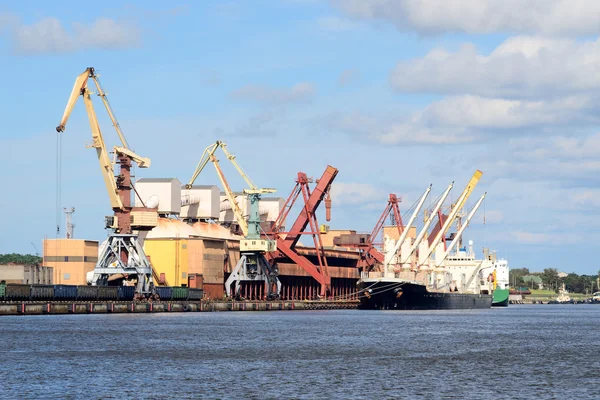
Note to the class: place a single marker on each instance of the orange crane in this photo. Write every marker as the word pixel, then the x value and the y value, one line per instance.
pixel 370 255
pixel 287 241
pixel 122 254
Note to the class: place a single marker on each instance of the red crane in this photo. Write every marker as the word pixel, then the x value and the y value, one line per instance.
pixel 287 241
pixel 370 255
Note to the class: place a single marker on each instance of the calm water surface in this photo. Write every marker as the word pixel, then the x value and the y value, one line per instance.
pixel 538 351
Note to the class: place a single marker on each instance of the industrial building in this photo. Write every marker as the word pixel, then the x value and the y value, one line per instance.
pixel 26 274
pixel 71 259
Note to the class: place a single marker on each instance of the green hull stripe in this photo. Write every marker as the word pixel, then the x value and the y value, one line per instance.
pixel 500 295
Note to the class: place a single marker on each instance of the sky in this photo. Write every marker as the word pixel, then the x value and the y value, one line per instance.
pixel 396 94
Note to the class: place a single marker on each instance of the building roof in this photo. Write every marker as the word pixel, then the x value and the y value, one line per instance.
pixel 201 187
pixel 156 180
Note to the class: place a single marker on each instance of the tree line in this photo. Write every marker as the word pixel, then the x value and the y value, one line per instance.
pixel 27 259
pixel 549 279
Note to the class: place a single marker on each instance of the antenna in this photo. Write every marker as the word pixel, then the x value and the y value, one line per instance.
pixel 70 225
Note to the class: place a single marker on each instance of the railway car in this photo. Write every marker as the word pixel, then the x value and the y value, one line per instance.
pixel 21 292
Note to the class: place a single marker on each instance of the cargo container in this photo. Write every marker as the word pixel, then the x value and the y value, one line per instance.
pixel 164 292
pixel 87 292
pixel 195 281
pixel 107 292
pixel 214 291
pixel 41 292
pixel 126 292
pixel 65 292
pixel 180 293
pixel 17 292
pixel 195 294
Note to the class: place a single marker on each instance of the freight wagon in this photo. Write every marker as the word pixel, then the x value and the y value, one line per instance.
pixel 20 292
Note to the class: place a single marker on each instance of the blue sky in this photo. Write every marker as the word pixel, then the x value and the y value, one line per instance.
pixel 396 97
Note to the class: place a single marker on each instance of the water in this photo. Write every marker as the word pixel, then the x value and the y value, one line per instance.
pixel 539 351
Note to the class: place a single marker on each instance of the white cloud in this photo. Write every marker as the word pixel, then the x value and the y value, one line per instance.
pixel 587 198
pixel 464 119
pixel 550 17
pixel 50 36
pixel 355 193
pixel 519 67
pixel 300 92
pixel 492 216
pixel 525 237
pixel 337 24
pixel 572 162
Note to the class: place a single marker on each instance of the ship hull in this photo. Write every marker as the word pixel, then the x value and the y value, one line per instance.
pixel 392 295
pixel 500 298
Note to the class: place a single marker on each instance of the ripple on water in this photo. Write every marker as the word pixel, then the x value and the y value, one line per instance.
pixel 522 351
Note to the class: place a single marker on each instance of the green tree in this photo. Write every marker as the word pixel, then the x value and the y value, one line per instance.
pixel 516 276
pixel 550 278
pixel 27 259
pixel 575 283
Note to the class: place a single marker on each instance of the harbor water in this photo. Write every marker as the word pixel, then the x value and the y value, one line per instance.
pixel 524 351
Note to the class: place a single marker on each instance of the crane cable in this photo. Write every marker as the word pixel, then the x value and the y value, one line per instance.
pixel 58 180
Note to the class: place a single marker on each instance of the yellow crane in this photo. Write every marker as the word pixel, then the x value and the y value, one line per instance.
pixel 252 265
pixel 209 155
pixel 455 209
pixel 122 254
pixel 119 190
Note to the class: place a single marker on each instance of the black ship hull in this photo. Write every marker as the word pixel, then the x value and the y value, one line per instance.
pixel 386 295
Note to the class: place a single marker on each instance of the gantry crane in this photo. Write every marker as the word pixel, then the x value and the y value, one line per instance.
pixel 252 265
pixel 122 254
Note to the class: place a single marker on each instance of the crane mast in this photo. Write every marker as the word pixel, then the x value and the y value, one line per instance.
pixel 123 255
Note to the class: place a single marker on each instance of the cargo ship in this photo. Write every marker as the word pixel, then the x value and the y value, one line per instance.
pixel 461 283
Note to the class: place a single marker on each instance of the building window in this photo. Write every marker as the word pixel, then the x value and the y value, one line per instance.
pixel 66 258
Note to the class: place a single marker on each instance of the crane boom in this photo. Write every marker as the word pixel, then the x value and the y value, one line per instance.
pixel 469 189
pixel 106 165
pixel 239 216
pixel 206 155
pixel 446 225
pixel 239 169
pixel 460 231
pixel 405 257
pixel 209 155
pixel 390 255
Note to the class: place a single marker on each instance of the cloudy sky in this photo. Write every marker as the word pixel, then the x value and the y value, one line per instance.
pixel 396 94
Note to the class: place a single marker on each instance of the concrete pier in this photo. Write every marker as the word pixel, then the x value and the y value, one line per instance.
pixel 108 307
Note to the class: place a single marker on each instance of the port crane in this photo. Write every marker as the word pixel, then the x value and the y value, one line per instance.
pixel 252 265
pixel 287 241
pixel 123 253
pixel 458 205
pixel 370 255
